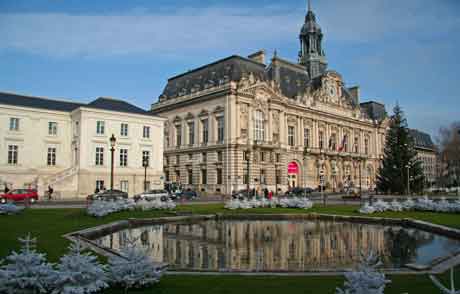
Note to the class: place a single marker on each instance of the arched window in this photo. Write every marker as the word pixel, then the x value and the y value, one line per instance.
pixel 259 126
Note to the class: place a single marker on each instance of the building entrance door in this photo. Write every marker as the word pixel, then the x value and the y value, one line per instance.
pixel 293 172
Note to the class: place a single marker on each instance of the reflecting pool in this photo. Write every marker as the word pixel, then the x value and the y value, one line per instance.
pixel 278 246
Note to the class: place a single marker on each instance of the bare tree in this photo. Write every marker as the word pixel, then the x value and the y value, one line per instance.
pixel 449 150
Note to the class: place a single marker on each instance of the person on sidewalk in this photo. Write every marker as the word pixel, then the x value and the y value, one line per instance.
pixel 50 192
pixel 6 189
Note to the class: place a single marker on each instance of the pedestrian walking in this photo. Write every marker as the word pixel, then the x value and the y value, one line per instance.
pixel 6 189
pixel 50 192
pixel 265 193
pixel 270 195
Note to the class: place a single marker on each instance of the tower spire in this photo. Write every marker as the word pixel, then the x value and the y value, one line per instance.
pixel 309 5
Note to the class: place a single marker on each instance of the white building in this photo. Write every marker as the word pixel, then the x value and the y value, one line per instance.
pixel 66 145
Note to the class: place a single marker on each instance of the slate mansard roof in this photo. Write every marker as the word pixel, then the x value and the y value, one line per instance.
pixel 292 78
pixel 67 106
pixel 421 139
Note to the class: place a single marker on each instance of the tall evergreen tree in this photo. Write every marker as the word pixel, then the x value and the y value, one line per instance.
pixel 399 154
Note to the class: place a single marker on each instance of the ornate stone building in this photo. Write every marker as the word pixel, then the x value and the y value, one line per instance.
pixel 427 154
pixel 277 125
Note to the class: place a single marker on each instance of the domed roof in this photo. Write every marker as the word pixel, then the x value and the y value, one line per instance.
pixel 310 25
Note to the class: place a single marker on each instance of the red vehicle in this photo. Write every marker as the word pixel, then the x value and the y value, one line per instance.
pixel 20 195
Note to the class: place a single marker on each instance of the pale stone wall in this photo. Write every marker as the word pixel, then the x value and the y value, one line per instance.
pixel 239 105
pixel 75 172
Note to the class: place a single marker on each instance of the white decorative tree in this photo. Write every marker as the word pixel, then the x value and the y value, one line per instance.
pixel 79 273
pixel 366 280
pixel 26 271
pixel 134 269
pixel 443 289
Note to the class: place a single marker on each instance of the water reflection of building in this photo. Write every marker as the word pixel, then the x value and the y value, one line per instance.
pixel 256 245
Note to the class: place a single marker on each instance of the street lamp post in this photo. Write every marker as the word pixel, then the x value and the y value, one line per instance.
pixel 248 156
pixel 145 164
pixel 113 140
pixel 360 187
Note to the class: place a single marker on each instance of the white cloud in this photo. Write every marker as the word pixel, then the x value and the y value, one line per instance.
pixel 191 30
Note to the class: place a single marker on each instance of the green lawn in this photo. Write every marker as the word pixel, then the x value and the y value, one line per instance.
pixel 48 225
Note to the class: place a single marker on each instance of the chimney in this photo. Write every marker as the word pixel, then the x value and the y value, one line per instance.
pixel 354 92
pixel 258 56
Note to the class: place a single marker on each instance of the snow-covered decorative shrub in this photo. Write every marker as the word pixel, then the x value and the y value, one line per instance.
pixel 380 206
pixel 134 268
pixel 395 205
pixel 366 209
pixel 79 273
pixel 101 208
pixel 294 202
pixel 421 204
pixel 26 271
pixel 408 204
pixel 366 279
pixel 10 208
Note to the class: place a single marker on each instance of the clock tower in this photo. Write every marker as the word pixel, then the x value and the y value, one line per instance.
pixel 311 53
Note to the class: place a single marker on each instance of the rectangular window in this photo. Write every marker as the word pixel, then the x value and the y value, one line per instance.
pixel 278 157
pixel 204 177
pixel 278 176
pixel 356 146
pixel 123 157
pixel 12 154
pixel 145 158
pixel 220 129
pixel 262 156
pixel 203 157
pixel 321 139
pixel 306 137
pixel 178 135
pixel 167 176
pixel 190 176
pixel 333 142
pixel 219 176
pixel 124 185
pixel 191 133
pixel 100 185
pixel 190 156
pixel 52 128
pixel 124 130
pixel 205 124
pixel 146 132
pixel 177 159
pixel 219 156
pixel 290 135
pixel 366 146
pixel 14 124
pixel 245 176
pixel 51 156
pixel 263 177
pixel 99 155
pixel 100 127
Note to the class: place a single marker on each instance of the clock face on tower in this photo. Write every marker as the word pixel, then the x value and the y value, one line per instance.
pixel 331 90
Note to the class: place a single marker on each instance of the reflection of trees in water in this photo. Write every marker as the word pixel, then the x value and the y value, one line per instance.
pixel 403 243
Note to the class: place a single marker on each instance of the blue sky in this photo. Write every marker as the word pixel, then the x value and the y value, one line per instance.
pixel 405 51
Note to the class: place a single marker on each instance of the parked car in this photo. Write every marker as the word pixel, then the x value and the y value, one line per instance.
pixel 20 195
pixel 241 194
pixel 108 195
pixel 299 191
pixel 158 194
pixel 188 195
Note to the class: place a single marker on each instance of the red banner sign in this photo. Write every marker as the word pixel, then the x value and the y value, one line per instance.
pixel 293 168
